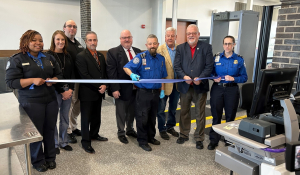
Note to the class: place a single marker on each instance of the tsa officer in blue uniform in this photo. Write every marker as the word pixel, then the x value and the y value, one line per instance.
pixel 147 65
pixel 27 72
pixel 225 93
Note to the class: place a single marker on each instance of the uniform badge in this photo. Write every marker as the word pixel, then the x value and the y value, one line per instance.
pixel 51 63
pixel 144 61
pixel 136 60
pixel 7 65
pixel 217 59
pixel 235 62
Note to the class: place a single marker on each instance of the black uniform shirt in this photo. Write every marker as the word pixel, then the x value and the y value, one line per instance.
pixel 67 66
pixel 21 66
pixel 73 49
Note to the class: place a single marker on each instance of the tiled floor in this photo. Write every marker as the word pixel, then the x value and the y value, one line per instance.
pixel 114 157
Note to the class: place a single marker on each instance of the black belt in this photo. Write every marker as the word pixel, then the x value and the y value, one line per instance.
pixel 149 90
pixel 227 84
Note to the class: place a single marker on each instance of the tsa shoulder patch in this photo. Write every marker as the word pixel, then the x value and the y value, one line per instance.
pixel 7 65
pixel 136 60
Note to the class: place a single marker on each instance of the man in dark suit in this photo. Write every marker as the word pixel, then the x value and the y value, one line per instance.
pixel 193 60
pixel 91 65
pixel 124 94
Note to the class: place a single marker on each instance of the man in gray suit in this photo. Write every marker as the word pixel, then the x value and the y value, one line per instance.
pixel 193 60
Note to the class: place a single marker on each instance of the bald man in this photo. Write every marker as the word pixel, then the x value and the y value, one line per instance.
pixel 73 48
pixel 124 94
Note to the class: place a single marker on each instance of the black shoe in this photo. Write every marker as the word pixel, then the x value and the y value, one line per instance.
pixel 181 140
pixel 173 132
pixel 67 148
pixel 51 165
pixel 71 138
pixel 57 151
pixel 77 132
pixel 123 139
pixel 89 149
pixel 41 168
pixel 154 141
pixel 145 147
pixel 199 145
pixel 164 135
pixel 132 134
pixel 99 138
pixel 212 146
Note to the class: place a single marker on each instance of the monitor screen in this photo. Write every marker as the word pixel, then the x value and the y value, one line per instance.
pixel 272 85
pixel 204 39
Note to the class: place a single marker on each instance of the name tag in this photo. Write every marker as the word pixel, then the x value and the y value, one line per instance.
pixel 80 46
pixel 147 68
pixel 25 64
pixel 218 64
pixel 217 59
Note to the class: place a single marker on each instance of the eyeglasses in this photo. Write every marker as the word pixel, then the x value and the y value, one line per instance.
pixel 193 33
pixel 124 38
pixel 70 26
pixel 227 44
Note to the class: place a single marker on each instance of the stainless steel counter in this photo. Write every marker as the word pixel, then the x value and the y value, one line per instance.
pixel 16 127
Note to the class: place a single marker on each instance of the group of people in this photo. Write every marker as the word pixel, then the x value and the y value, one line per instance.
pixel 29 70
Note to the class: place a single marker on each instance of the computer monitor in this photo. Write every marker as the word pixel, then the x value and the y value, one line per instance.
pixel 204 39
pixel 272 85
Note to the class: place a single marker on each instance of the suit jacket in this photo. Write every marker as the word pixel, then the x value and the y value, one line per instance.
pixel 163 50
pixel 116 59
pixel 201 65
pixel 88 69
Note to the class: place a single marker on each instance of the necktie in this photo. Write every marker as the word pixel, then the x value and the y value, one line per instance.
pixel 96 58
pixel 130 54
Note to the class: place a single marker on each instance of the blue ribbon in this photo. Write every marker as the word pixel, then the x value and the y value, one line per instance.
pixel 125 81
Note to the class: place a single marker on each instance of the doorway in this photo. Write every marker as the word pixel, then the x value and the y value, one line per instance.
pixel 181 28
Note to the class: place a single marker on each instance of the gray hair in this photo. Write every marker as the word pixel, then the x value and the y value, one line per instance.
pixel 89 32
pixel 193 25
pixel 152 36
pixel 171 29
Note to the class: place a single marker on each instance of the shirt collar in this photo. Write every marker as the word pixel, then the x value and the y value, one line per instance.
pixel 40 55
pixel 223 54
pixel 170 48
pixel 92 52
pixel 127 49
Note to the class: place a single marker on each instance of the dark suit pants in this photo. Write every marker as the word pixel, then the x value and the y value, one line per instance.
pixel 44 117
pixel 146 110
pixel 125 111
pixel 185 114
pixel 90 120
pixel 222 97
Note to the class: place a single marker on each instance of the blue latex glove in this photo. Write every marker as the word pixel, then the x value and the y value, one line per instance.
pixel 134 77
pixel 162 94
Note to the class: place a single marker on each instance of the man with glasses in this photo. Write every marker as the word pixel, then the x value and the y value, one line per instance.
pixel 73 48
pixel 168 50
pixel 124 94
pixel 193 60
pixel 147 65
